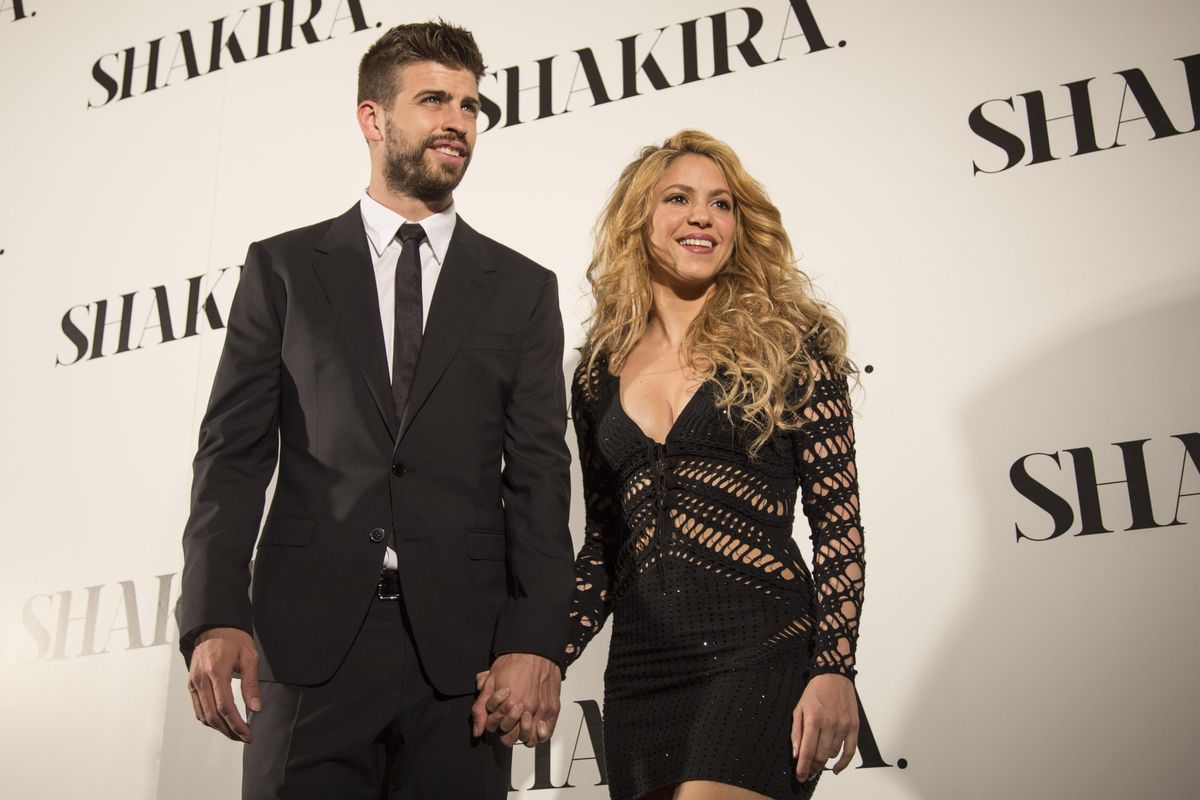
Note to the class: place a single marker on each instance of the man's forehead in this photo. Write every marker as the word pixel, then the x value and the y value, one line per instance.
pixel 420 76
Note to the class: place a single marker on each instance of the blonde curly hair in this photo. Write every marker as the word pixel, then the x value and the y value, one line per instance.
pixel 760 329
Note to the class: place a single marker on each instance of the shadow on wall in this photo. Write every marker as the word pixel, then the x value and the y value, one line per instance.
pixel 1070 671
pixel 197 763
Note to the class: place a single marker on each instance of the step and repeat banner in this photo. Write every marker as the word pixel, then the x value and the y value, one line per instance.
pixel 1000 198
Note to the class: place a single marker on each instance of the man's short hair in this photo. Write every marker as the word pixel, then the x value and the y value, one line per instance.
pixel 448 45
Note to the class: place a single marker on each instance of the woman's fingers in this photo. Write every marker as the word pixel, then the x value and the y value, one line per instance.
pixel 848 751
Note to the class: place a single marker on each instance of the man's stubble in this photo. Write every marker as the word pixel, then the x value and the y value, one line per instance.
pixel 408 173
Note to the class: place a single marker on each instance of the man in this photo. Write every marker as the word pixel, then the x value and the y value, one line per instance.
pixel 408 380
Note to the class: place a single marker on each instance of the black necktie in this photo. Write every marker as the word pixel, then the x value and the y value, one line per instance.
pixel 406 342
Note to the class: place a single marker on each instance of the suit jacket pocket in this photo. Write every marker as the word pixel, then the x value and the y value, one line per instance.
pixel 477 340
pixel 287 531
pixel 485 545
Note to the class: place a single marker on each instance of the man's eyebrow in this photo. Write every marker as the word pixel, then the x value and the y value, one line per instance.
pixel 445 97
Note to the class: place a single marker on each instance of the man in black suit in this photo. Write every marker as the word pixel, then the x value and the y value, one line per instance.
pixel 408 381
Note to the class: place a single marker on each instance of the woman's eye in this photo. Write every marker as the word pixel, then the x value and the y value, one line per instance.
pixel 724 205
pixel 677 198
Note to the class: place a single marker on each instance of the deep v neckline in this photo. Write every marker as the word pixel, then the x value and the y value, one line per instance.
pixel 674 423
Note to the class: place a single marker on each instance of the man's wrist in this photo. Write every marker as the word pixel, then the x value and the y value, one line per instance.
pixel 206 632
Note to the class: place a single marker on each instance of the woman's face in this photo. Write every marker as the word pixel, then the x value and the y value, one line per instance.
pixel 692 225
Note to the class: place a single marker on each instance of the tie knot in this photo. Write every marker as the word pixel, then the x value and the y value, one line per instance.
pixel 411 231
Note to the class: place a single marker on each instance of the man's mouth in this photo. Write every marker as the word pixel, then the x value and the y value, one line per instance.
pixel 450 149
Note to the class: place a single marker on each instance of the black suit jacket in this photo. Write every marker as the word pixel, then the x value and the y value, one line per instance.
pixel 474 486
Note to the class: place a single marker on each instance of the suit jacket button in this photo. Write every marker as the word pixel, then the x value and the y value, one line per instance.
pixel 377 535
pixel 398 469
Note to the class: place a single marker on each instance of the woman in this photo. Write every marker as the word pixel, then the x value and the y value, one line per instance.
pixel 713 386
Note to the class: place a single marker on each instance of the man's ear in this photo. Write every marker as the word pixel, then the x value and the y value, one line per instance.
pixel 371 120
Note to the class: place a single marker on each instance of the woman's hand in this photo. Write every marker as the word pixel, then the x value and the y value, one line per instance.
pixel 824 722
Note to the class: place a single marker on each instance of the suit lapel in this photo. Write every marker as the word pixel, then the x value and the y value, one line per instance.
pixel 462 288
pixel 343 267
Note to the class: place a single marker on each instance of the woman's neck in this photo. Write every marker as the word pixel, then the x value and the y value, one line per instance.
pixel 672 314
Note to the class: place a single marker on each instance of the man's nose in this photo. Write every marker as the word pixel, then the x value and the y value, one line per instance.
pixel 457 121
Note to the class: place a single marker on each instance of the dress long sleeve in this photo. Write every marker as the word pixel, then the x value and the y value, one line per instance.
pixel 596 561
pixel 717 620
pixel 824 455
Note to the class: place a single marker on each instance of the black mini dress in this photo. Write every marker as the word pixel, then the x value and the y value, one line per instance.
pixel 718 623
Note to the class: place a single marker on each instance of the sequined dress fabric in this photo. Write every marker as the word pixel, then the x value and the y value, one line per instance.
pixel 718 623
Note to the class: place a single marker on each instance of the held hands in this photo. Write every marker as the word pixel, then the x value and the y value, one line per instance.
pixel 518 698
pixel 220 654
pixel 824 722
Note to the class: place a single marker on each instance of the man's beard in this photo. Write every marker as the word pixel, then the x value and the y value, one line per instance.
pixel 407 172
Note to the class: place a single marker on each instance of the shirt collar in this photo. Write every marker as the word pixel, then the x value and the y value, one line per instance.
pixel 381 224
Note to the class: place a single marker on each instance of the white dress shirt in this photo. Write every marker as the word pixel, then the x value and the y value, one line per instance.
pixel 382 224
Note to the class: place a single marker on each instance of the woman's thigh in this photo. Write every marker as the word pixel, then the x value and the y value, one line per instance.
pixel 704 790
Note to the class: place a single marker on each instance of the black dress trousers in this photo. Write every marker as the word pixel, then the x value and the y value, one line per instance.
pixel 377 729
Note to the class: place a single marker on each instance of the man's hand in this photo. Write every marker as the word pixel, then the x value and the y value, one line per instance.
pixel 220 654
pixel 518 697
pixel 824 723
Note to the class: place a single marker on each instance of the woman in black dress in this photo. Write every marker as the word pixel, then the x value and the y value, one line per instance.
pixel 712 387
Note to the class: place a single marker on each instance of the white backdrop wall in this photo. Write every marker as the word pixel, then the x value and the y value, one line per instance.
pixel 1028 419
